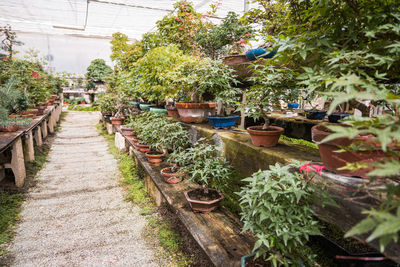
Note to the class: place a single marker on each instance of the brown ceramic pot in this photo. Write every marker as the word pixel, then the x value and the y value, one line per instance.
pixel 117 121
pixel 195 112
pixel 143 148
pixel 172 112
pixel 154 156
pixel 333 161
pixel 126 131
pixel 171 177
pixel 265 138
pixel 10 128
pixel 202 205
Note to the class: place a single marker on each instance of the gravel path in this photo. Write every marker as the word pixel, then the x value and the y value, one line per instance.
pixel 75 215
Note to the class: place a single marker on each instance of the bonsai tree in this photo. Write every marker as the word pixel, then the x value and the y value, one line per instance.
pixel 124 54
pixel 203 164
pixel 271 84
pixel 9 40
pixel 203 79
pixel 216 41
pixel 98 70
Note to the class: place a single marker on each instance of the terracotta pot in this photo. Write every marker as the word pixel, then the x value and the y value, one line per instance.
pixel 28 116
pixel 171 178
pixel 154 156
pixel 40 110
pixel 126 131
pixel 10 128
pixel 195 112
pixel 200 205
pixel 172 112
pixel 143 148
pixel 265 138
pixel 117 121
pixel 235 59
pixel 333 160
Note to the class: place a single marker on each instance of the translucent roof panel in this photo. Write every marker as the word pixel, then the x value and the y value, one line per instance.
pixel 70 24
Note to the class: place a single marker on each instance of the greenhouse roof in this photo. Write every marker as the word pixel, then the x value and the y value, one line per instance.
pixel 82 28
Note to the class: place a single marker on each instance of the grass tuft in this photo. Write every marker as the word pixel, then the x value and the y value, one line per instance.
pixel 136 193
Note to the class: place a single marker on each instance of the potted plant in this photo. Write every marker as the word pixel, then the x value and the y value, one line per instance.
pixel 276 206
pixel 201 80
pixel 271 84
pixel 202 164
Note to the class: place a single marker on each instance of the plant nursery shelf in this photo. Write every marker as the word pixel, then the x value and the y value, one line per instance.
pixel 218 233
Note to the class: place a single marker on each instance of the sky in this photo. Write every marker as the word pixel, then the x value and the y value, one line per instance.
pixel 74 32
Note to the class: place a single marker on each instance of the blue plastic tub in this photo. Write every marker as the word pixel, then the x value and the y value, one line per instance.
pixel 254 54
pixel 293 105
pixel 222 122
pixel 335 117
pixel 315 114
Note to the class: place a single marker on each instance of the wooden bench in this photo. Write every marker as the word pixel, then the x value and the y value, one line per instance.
pixel 16 148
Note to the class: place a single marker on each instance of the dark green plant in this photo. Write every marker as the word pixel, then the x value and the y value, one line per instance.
pixel 276 207
pixel 203 165
pixel 9 40
pixel 98 70
pixel 217 40
pixel 352 58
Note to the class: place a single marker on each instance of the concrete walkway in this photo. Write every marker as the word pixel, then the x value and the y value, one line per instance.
pixel 75 215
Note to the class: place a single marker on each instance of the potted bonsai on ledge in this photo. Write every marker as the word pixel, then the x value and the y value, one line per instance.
pixel 201 80
pixel 202 164
pixel 271 84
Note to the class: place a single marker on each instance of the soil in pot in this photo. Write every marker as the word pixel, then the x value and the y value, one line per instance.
pixel 170 176
pixel 202 195
pixel 265 137
pixel 154 157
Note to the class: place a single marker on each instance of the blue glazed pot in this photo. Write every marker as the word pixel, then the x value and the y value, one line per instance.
pixel 293 105
pixel 222 122
pixel 335 117
pixel 315 114
pixel 158 110
pixel 145 106
pixel 254 54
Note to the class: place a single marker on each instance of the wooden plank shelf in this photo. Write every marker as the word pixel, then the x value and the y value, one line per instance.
pixel 218 233
pixel 21 143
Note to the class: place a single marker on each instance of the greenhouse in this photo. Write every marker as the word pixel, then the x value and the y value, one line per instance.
pixel 200 133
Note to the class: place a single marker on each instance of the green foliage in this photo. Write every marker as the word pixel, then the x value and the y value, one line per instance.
pixel 203 165
pixel 276 207
pixel 206 79
pixel 217 40
pixel 181 27
pixel 107 103
pixel 271 84
pixel 123 53
pixel 153 74
pixel 98 70
pixel 349 52
pixel 10 207
pixel 158 132
pixel 9 40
